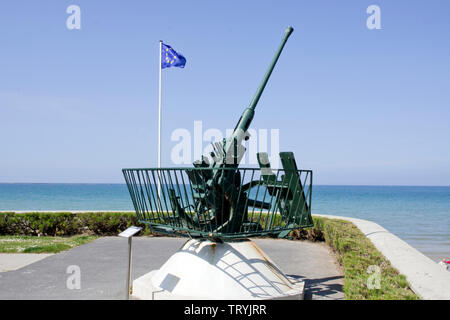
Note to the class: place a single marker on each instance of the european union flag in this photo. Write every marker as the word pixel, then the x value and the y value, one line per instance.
pixel 170 58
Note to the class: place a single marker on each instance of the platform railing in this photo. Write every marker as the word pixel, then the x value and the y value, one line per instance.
pixel 256 203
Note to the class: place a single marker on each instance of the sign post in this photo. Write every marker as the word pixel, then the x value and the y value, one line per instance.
pixel 129 233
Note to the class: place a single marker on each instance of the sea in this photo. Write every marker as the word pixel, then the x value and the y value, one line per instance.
pixel 418 215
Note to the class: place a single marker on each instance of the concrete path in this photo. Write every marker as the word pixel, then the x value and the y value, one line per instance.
pixel 427 278
pixel 103 264
pixel 14 261
pixel 312 262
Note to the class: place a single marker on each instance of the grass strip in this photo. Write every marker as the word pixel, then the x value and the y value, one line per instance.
pixel 34 244
pixel 362 263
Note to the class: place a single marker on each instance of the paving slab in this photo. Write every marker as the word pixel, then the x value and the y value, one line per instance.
pixel 14 261
pixel 102 266
pixel 312 262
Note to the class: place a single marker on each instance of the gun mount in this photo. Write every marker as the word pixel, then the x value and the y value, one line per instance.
pixel 218 200
pixel 219 205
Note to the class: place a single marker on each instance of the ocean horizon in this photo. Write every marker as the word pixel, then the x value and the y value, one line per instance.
pixel 420 215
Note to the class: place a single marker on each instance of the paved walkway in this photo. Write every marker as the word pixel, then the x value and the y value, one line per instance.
pixel 14 261
pixel 103 265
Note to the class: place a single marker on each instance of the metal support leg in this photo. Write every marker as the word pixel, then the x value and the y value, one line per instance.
pixel 130 239
pixel 129 233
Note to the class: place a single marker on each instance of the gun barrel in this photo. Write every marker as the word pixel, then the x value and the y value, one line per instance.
pixel 233 143
pixel 261 87
pixel 247 116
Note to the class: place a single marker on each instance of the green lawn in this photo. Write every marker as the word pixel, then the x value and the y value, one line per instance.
pixel 33 244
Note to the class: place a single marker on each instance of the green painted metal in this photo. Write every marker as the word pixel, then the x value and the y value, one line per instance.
pixel 185 205
pixel 216 199
pixel 230 152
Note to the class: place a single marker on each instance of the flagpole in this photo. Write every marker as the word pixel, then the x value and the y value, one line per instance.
pixel 159 115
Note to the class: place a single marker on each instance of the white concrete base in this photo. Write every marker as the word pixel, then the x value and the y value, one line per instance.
pixel 211 270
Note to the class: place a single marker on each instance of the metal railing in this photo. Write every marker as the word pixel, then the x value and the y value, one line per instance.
pixel 187 202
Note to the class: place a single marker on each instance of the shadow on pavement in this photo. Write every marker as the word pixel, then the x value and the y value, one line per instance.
pixel 327 288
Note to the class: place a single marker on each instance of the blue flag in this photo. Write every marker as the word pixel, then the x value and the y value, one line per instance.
pixel 170 58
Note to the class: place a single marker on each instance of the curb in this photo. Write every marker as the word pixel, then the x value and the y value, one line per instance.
pixel 426 278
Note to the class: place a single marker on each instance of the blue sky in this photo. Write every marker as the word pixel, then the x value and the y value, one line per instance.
pixel 357 106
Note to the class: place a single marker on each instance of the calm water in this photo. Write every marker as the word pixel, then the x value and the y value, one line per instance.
pixel 418 215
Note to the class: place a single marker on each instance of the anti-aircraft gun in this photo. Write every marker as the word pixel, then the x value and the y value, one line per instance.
pixel 217 199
